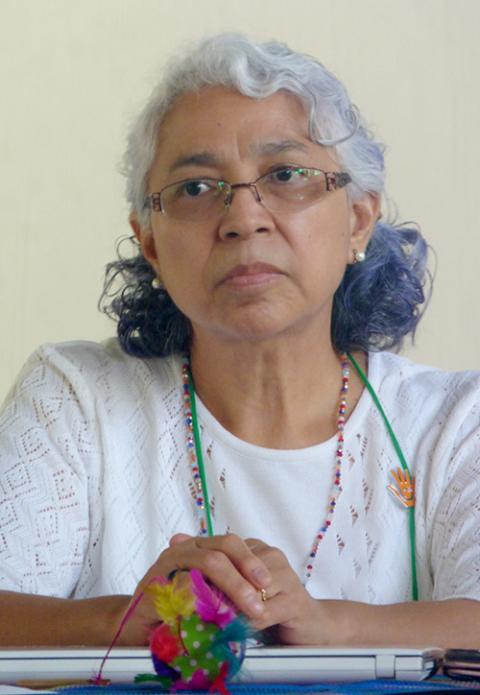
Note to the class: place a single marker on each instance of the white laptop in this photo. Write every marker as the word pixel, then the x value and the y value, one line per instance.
pixel 261 665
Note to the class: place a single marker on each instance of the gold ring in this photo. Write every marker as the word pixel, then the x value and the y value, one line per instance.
pixel 263 595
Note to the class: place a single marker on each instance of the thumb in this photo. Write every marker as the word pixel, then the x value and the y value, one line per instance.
pixel 179 538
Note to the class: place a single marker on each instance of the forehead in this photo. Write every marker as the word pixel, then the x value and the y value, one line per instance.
pixel 224 121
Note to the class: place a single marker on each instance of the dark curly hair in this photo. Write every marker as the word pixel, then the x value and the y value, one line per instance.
pixel 378 303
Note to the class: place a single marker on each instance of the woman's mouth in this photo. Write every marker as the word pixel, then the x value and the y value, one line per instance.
pixel 251 275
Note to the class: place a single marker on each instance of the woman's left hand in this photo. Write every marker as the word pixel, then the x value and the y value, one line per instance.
pixel 294 617
pixel 290 612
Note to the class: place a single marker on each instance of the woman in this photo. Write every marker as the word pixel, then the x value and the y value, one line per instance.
pixel 232 427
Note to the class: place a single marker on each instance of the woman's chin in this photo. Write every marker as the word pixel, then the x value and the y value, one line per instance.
pixel 258 326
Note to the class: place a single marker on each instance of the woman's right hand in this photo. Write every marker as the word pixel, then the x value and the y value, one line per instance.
pixel 226 561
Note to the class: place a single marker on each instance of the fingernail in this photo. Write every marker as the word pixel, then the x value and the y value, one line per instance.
pixel 261 575
pixel 254 605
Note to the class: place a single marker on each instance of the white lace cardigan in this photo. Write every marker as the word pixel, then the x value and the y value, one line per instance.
pixel 94 480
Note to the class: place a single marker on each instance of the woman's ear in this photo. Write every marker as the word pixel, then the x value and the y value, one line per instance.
pixel 364 215
pixel 144 236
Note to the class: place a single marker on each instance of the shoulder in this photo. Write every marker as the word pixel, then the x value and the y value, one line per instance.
pixel 423 387
pixel 89 369
pixel 435 413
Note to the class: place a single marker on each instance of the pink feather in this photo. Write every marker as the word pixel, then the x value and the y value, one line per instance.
pixel 211 604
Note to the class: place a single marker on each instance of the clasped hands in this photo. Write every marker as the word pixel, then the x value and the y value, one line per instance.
pixel 256 577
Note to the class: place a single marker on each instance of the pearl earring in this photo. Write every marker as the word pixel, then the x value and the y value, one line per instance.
pixel 358 256
pixel 157 283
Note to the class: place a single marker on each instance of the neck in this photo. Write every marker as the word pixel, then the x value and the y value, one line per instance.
pixel 277 394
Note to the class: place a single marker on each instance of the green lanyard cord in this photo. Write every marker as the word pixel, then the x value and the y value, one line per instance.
pixel 401 458
pixel 396 445
pixel 198 450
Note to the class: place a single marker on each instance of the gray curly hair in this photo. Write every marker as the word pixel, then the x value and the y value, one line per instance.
pixel 378 301
pixel 257 71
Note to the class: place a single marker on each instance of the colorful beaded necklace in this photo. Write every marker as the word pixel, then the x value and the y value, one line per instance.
pixel 194 449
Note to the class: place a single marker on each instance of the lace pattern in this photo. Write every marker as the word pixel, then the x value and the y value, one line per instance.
pixel 94 480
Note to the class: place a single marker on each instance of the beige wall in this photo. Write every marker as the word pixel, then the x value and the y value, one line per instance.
pixel 73 71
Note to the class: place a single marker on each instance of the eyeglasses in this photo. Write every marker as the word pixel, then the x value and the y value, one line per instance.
pixel 282 190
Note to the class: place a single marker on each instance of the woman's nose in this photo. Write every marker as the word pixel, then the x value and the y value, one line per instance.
pixel 244 214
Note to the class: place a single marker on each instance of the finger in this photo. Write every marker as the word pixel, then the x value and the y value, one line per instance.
pixel 271 615
pixel 282 584
pixel 282 609
pixel 229 564
pixel 273 558
pixel 179 538
pixel 255 544
pixel 242 558
pixel 285 596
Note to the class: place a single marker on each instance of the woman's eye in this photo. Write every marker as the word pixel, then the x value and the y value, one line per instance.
pixel 283 175
pixel 292 175
pixel 195 188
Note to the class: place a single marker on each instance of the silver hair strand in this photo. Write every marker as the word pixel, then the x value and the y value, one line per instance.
pixel 257 71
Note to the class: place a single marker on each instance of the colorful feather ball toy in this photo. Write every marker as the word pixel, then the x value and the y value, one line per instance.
pixel 199 642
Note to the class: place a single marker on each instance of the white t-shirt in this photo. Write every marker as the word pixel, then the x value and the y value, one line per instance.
pixel 95 479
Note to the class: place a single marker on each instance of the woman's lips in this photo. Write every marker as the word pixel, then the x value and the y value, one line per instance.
pixel 251 275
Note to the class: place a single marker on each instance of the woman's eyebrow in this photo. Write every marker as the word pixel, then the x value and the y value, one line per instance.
pixel 195 159
pixel 278 146
pixel 260 149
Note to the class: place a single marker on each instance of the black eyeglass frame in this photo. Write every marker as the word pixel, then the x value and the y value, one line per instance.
pixel 333 179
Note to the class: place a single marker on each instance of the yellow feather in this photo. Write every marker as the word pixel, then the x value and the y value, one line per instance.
pixel 171 601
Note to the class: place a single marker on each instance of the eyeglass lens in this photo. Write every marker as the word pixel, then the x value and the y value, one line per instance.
pixel 280 190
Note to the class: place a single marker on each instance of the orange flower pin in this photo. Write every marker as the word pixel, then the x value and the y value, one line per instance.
pixel 404 491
